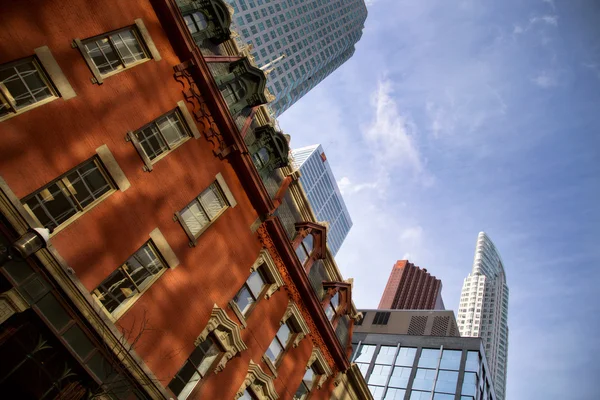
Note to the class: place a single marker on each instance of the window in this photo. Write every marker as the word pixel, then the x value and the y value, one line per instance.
pixel 115 51
pixel 117 292
pixel 261 158
pixel 379 374
pixel 308 381
pixel 400 377
pixel 250 292
pixel 195 22
pixel 429 358
pixel 234 91
pixel 280 342
pixel 417 395
pixel 332 306
pixel 446 382
pixel 160 136
pixel 248 394
pixel 406 356
pixel 451 359
pixel 424 379
pixel 70 195
pixel 23 84
pixel 204 209
pixel 198 364
pixel 305 248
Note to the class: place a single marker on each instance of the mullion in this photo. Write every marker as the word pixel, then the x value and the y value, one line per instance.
pixel 98 45
pixel 24 83
pixel 203 207
pixel 114 47
pixel 65 189
pixel 122 267
pixel 161 134
pixel 110 37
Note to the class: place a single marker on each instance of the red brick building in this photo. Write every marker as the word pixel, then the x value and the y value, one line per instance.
pixel 411 288
pixel 184 260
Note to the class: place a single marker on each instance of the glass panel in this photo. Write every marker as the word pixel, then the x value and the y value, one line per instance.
pixel 379 374
pixel 143 266
pixel 308 243
pixel 417 395
pixel 406 356
pixel 244 299
pixel 103 55
pixel 52 206
pixel 212 201
pixel 210 352
pixel 151 141
pixel 363 368
pixel 330 312
pixel 301 253
pixel 284 334
pixel 274 350
pixel 114 290
pixel 255 283
pixel 200 20
pixel 24 83
pixel 400 377
pixel 53 311
pixel 442 396
pixel 172 129
pixel 386 355
pixel 451 359
pixel 365 353
pixel 429 358
pixel 335 300
pixel 469 386
pixel 87 183
pixel 424 379
pixel 377 392
pixel 78 341
pixel 185 381
pixel 394 394
pixel 309 377
pixel 446 381
pixel 189 21
pixel 472 363
pixel 128 46
pixel 246 396
pixel 100 367
pixel 194 218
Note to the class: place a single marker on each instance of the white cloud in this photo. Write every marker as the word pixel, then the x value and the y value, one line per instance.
pixel 548 19
pixel 392 135
pixel 348 187
pixel 517 30
pixel 545 80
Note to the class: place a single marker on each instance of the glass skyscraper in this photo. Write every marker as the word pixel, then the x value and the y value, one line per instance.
pixel 316 36
pixel 323 193
pixel 483 308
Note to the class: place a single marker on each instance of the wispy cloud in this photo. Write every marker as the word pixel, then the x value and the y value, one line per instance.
pixel 391 135
pixel 548 19
pixel 546 80
pixel 349 187
pixel 551 3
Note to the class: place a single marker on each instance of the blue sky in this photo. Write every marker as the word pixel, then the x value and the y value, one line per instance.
pixel 455 117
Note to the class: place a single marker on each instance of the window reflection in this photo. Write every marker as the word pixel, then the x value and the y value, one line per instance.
pixel 400 377
pixel 379 374
pixel 469 386
pixel 386 355
pixel 429 358
pixel 394 394
pixel 424 379
pixel 446 381
pixel 406 356
pixel 451 359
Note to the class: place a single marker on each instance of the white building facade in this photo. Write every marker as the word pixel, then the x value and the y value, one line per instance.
pixel 483 309
pixel 323 193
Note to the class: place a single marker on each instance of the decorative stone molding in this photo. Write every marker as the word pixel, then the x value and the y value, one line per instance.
pixel 259 382
pixel 270 269
pixel 11 302
pixel 293 292
pixel 293 312
pixel 226 332
pixel 318 358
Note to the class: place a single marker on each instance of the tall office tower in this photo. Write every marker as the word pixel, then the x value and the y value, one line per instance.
pixel 417 355
pixel 483 309
pixel 323 193
pixel 316 37
pixel 411 288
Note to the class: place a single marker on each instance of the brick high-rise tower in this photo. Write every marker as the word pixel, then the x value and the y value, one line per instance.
pixel 411 288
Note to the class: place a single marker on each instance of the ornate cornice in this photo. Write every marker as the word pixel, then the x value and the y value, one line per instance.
pixel 259 382
pixel 227 334
pixel 295 295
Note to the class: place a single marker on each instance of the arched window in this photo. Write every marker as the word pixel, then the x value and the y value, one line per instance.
pixel 195 22
pixel 261 158
pixel 234 92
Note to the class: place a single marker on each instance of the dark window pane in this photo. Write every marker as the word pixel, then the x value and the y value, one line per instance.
pixel 78 341
pixel 128 46
pixel 103 55
pixel 53 311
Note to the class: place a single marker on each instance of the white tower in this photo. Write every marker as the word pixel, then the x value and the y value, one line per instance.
pixel 483 309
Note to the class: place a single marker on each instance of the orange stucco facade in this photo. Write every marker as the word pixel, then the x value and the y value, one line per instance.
pixel 42 143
